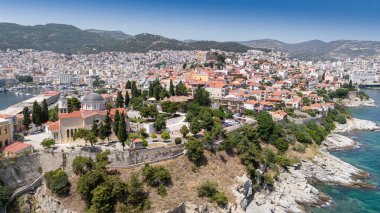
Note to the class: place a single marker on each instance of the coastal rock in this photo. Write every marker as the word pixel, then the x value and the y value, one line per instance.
pixel 358 103
pixel 48 203
pixel 290 191
pixel 338 142
pixel 327 168
pixel 188 207
pixel 243 191
pixel 356 124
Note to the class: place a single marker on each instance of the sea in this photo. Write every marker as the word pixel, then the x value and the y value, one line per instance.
pixel 367 157
pixel 10 98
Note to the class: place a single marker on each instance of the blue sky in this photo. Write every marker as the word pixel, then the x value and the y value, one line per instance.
pixel 236 20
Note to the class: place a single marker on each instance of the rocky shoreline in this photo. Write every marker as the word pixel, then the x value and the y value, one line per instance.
pixel 358 103
pixel 294 189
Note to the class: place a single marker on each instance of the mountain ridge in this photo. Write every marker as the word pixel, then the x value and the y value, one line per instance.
pixel 318 49
pixel 69 39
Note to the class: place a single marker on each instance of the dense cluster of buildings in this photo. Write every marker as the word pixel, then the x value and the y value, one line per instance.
pixel 254 81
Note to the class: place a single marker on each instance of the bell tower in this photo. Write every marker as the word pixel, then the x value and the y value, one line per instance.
pixel 62 105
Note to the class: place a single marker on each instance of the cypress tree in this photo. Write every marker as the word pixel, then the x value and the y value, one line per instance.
pixel 116 122
pixel 44 111
pixel 128 85
pixel 119 100
pixel 94 128
pixel 122 130
pixel 36 114
pixel 171 89
pixel 126 99
pixel 26 122
pixel 107 126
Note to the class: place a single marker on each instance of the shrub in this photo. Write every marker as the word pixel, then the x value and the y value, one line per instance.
pixel 88 182
pixel 220 198
pixel 207 189
pixel 178 141
pixel 341 119
pixel 102 159
pixel 58 182
pixel 5 194
pixel 82 165
pixel 268 179
pixel 281 144
pixel 156 175
pixel 161 190
pixel 299 147
pixel 165 135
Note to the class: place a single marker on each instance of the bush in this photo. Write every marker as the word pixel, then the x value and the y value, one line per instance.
pixel 156 175
pixel 5 194
pixel 341 119
pixel 281 144
pixel 82 165
pixel 220 198
pixel 88 182
pixel 58 182
pixel 268 179
pixel 165 136
pixel 299 147
pixel 207 189
pixel 161 190
pixel 178 141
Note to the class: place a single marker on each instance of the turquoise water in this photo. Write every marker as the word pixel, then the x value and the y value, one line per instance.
pixel 367 157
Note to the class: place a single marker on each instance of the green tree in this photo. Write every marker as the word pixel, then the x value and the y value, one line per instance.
pixel 102 200
pixel 194 149
pixel 36 114
pixel 119 102
pixel 178 141
pixel 86 135
pixel 265 126
pixel 160 123
pixel 170 107
pixel 107 129
pixel 73 104
pixel 116 122
pixel 122 134
pixel 47 143
pixel 58 182
pixel 195 126
pixel 149 111
pixel 184 131
pixel 134 90
pixel 26 120
pixel 156 175
pixel 81 165
pixel 53 114
pixel 95 128
pixel 202 97
pixel 126 99
pixel 153 136
pixel 128 85
pixel 88 182
pixel 165 136
pixel 180 89
pixel 171 88
pixel 44 111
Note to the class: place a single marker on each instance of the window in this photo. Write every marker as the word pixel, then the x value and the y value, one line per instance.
pixel 72 133
pixel 67 133
pixel 6 142
pixel 1 144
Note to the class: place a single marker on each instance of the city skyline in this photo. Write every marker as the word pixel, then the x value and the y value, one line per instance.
pixel 291 21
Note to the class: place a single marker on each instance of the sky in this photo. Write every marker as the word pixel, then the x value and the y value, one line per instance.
pixel 221 20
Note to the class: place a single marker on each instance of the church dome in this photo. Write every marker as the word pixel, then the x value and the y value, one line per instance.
pixel 92 97
pixel 93 101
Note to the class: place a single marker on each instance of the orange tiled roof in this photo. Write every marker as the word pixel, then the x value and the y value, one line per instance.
pixel 16 147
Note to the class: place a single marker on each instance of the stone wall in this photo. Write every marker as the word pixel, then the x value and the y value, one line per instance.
pixel 23 170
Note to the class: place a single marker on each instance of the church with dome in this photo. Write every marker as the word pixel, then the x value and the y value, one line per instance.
pixel 93 108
